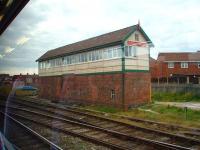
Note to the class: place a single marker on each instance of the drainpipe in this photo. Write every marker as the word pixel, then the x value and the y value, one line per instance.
pixel 123 78
pixel 167 80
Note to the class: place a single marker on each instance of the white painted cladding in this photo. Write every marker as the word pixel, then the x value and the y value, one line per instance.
pixel 141 61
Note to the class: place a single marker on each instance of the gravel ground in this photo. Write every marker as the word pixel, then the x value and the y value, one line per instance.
pixel 191 105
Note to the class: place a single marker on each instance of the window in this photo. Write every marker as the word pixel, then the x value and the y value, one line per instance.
pixel 93 56
pixel 113 94
pixel 119 52
pixel 108 53
pixel 198 65
pixel 89 56
pixel 126 51
pixel 137 37
pixel 100 53
pixel 62 62
pixel 171 65
pixel 105 54
pixel 130 51
pixel 184 65
pixel 40 65
pixel 115 51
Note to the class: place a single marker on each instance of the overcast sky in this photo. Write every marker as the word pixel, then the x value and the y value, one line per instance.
pixel 172 25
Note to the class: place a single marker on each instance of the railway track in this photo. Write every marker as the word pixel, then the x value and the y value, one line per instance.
pixel 22 137
pixel 109 138
pixel 172 128
pixel 107 125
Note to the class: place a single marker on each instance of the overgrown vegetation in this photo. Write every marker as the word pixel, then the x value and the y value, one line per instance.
pixel 178 97
pixel 5 90
pixel 169 114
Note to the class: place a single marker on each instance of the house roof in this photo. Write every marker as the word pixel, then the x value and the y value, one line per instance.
pixel 108 39
pixel 186 56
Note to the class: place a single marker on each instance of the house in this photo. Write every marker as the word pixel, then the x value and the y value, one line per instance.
pixel 26 79
pixel 110 69
pixel 4 79
pixel 183 67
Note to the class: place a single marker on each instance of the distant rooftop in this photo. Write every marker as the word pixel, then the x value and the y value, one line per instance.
pixel 179 56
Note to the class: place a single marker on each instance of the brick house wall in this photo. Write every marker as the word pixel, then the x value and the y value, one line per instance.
pixel 159 68
pixel 165 71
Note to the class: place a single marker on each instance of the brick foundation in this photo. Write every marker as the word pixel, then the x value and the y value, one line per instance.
pixel 96 89
pixel 137 88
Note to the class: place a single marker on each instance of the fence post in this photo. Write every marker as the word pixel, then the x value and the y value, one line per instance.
pixel 185 108
pixel 188 80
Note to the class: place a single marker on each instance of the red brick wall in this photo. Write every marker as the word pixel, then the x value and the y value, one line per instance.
pixel 137 88
pixel 96 89
pixel 155 69
pixel 50 87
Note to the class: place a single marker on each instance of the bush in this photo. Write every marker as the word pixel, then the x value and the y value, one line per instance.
pixel 5 90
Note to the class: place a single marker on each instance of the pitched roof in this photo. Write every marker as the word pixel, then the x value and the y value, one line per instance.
pixel 185 56
pixel 108 39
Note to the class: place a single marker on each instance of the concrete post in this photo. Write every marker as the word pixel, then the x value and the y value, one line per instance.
pixel 199 80
pixel 178 79
pixel 188 80
pixel 158 81
pixel 167 80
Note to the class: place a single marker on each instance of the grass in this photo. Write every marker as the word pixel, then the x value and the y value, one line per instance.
pixel 175 97
pixel 156 112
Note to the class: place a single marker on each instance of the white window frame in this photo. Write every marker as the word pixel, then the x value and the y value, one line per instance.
pixel 170 64
pixel 184 64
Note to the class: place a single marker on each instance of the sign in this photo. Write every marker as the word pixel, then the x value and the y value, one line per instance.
pixel 136 43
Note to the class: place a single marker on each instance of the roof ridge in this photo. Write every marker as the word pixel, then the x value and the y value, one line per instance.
pixel 93 37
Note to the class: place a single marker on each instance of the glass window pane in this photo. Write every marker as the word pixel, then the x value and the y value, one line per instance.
pixel 115 53
pixel 134 51
pixel 105 54
pixel 119 52
pixel 130 51
pixel 126 50
pixel 110 53
pixel 93 56
pixel 100 54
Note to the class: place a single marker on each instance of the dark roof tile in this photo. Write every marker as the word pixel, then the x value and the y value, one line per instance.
pixel 185 56
pixel 112 38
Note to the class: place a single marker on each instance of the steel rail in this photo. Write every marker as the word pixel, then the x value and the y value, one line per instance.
pixel 32 132
pixel 115 133
pixel 180 137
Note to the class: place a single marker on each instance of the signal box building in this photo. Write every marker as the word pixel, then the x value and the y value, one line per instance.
pixel 110 69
